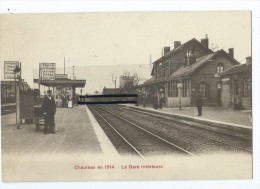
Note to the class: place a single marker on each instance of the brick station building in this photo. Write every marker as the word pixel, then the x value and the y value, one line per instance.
pixel 187 68
pixel 237 86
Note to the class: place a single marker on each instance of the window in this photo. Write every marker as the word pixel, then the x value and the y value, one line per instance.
pixel 162 71
pixel 172 90
pixel 156 72
pixel 203 89
pixel 220 68
pixel 247 87
pixel 186 87
pixel 166 70
pixel 236 87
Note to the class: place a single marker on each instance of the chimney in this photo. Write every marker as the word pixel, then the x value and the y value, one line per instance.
pixel 231 52
pixel 177 44
pixel 205 42
pixel 166 50
pixel 249 60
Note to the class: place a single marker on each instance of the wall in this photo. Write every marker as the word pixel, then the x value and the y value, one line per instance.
pixel 226 96
pixel 177 59
pixel 230 97
pixel 174 101
pixel 207 74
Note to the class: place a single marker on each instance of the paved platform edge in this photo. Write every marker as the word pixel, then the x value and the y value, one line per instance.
pixel 200 120
pixel 105 144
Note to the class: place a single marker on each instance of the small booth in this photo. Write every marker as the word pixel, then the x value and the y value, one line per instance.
pixel 62 87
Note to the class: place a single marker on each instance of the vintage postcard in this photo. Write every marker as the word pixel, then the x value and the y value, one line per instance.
pixel 135 96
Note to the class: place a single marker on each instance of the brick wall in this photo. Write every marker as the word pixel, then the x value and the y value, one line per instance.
pixel 207 74
pixel 247 103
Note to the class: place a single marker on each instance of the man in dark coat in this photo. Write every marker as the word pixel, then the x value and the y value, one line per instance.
pixel 199 103
pixel 64 102
pixel 49 109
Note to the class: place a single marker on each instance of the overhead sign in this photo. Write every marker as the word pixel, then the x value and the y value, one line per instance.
pixel 9 69
pixel 61 76
pixel 47 71
pixel 179 85
pixel 225 79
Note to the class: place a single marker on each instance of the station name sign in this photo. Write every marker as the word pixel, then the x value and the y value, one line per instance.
pixel 47 71
pixel 61 76
pixel 9 69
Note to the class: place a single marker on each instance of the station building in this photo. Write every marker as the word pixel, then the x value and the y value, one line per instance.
pixel 108 91
pixel 237 86
pixel 189 67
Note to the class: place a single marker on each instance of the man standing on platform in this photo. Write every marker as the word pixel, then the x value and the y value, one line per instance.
pixel 199 103
pixel 49 109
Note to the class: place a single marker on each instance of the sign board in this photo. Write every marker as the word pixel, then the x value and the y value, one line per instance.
pixel 179 85
pixel 47 71
pixel 61 76
pixel 225 79
pixel 9 69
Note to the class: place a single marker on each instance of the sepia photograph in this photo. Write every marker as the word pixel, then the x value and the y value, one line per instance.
pixel 126 96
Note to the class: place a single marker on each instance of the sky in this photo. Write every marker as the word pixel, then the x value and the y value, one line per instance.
pixel 104 39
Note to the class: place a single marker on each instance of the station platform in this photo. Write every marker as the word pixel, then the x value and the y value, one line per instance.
pixel 219 115
pixel 76 131
pixel 8 104
pixel 28 155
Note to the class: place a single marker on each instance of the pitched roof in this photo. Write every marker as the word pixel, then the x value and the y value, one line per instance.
pixel 149 80
pixel 184 71
pixel 238 69
pixel 180 48
pixel 152 81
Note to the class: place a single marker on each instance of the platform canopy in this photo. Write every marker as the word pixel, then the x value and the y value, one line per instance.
pixel 62 83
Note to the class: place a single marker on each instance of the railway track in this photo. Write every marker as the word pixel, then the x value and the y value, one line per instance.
pixel 139 140
pixel 210 133
pixel 8 109
pixel 225 141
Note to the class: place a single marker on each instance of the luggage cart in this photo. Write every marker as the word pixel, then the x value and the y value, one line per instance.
pixel 38 117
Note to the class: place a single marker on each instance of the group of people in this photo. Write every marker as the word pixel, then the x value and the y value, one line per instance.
pixel 160 102
pixel 156 102
pixel 66 102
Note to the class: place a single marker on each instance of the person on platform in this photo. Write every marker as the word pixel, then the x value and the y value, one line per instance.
pixel 199 103
pixel 70 102
pixel 64 102
pixel 49 110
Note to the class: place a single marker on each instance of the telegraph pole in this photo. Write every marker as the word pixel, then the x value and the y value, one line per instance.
pixel 64 65
pixel 73 73
pixel 17 75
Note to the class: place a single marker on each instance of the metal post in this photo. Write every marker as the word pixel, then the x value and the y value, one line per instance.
pixel 73 72
pixel 39 81
pixel 18 120
pixel 180 99
pixel 64 65
pixel 179 86
pixel 73 96
pixel 15 99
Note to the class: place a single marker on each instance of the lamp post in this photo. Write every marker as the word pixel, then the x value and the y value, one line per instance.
pixel 17 75
pixel 179 86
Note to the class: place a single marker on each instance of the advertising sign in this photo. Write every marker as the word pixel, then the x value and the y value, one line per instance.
pixel 47 71
pixel 9 69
